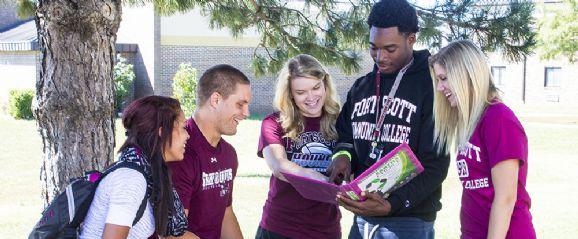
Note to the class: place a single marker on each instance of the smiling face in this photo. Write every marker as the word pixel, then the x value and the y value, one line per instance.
pixel 442 85
pixel 309 95
pixel 390 49
pixel 230 111
pixel 176 150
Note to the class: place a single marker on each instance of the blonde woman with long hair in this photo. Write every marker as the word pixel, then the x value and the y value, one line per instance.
pixel 299 139
pixel 490 144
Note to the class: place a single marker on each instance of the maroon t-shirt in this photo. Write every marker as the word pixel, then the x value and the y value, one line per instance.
pixel 204 182
pixel 498 136
pixel 286 212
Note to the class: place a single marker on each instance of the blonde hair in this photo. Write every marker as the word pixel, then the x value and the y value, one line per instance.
pixel 290 117
pixel 470 80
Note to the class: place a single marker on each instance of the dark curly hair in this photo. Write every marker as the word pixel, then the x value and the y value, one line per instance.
pixel 394 13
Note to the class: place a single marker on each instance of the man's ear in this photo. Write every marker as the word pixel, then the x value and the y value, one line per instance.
pixel 411 39
pixel 214 99
pixel 160 131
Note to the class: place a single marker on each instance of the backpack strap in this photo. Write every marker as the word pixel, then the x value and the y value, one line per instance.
pixel 138 168
pixel 141 209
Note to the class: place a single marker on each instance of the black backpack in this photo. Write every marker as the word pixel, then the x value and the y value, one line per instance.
pixel 63 216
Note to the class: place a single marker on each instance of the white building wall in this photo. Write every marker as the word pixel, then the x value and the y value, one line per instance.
pixel 192 29
pixel 17 71
pixel 535 91
pixel 137 27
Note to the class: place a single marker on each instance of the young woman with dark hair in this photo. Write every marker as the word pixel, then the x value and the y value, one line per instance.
pixel 155 135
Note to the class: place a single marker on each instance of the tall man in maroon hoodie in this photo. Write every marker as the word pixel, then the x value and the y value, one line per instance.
pixel 204 179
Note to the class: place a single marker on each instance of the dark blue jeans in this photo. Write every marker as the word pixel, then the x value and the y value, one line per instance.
pixel 262 233
pixel 391 228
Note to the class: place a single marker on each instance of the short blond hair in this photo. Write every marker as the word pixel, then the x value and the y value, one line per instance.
pixel 470 80
pixel 290 118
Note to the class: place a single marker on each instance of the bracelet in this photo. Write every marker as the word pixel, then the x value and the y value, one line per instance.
pixel 342 152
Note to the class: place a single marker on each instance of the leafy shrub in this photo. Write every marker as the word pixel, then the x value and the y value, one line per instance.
pixel 123 78
pixel 20 104
pixel 184 88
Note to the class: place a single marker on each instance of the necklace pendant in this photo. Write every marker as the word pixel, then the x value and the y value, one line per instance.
pixel 372 155
pixel 374 150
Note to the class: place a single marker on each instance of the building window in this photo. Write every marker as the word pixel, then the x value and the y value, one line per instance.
pixel 498 74
pixel 552 77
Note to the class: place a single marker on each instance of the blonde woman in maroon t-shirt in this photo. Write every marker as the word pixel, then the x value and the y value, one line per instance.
pixel 490 144
pixel 299 139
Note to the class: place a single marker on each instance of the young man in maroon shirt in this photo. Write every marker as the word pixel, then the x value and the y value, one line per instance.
pixel 204 179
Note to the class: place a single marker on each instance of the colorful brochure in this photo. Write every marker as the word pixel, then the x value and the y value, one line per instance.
pixel 386 175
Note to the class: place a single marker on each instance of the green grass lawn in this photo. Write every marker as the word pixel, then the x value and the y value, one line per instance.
pixel 551 180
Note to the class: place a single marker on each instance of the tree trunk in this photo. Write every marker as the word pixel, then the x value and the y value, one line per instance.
pixel 74 94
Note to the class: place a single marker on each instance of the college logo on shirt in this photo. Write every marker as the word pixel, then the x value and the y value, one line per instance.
pixel 312 151
pixel 219 179
pixel 470 153
pixel 398 107
pixel 393 133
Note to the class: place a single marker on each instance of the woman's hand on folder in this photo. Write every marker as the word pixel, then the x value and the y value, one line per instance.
pixel 276 159
pixel 339 170
pixel 374 204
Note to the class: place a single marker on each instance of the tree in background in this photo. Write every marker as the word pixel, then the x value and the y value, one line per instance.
pixel 495 25
pixel 75 93
pixel 558 31
pixel 336 32
pixel 185 87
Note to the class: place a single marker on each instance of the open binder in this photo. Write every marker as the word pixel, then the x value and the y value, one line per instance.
pixel 387 174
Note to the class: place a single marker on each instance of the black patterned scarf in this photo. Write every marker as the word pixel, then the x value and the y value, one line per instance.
pixel 177 223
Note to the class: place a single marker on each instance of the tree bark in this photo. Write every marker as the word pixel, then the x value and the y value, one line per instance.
pixel 74 94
